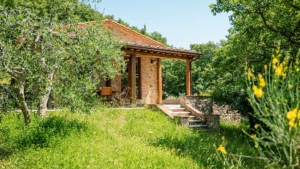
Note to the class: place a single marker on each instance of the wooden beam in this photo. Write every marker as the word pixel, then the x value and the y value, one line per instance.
pixel 158 55
pixel 188 76
pixel 132 80
pixel 159 81
pixel 140 79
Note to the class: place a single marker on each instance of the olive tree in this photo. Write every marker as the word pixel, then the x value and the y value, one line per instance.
pixel 44 54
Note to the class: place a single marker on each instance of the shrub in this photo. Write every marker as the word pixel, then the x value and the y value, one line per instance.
pixel 275 98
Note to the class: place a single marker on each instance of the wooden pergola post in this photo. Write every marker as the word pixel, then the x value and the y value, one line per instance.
pixel 132 78
pixel 188 77
pixel 159 81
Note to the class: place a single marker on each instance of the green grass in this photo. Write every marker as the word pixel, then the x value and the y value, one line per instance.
pixel 114 138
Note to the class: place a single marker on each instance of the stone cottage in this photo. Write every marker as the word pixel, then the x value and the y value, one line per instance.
pixel 144 71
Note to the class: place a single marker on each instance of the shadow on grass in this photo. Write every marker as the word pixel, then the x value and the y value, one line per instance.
pixel 40 133
pixel 201 145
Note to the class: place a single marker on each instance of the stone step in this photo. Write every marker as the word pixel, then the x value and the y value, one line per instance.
pixel 195 121
pixel 179 109
pixel 192 117
pixel 182 114
pixel 197 125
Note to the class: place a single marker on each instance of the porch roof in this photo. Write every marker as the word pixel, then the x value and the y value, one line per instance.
pixel 160 52
pixel 140 44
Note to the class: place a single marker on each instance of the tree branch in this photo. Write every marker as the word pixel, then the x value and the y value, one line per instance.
pixel 289 37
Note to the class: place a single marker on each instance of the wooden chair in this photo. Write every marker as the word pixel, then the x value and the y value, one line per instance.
pixel 106 92
pixel 125 92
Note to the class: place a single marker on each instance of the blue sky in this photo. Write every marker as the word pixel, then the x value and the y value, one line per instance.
pixel 182 22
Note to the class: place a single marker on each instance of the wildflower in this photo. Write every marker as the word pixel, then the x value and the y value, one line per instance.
pixel 249 75
pixel 292 124
pixel 253 136
pixel 262 82
pixel 257 91
pixel 265 67
pixel 256 145
pixel 256 126
pixel 222 149
pixel 279 70
pixel 274 61
pixel 291 115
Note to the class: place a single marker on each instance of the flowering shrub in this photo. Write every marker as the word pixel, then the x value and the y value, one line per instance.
pixel 275 98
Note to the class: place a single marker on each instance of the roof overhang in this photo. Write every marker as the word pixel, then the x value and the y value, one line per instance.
pixel 159 52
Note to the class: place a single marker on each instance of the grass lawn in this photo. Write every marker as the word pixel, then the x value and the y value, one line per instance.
pixel 115 138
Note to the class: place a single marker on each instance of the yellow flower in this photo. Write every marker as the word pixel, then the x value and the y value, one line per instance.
pixel 256 126
pixel 249 75
pixel 279 70
pixel 279 55
pixel 265 67
pixel 222 149
pixel 273 56
pixel 291 115
pixel 275 60
pixel 262 82
pixel 292 124
pixel 257 91
pixel 253 136
pixel 256 145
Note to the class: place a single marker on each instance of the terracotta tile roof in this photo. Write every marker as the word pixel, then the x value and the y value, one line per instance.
pixel 137 42
pixel 126 34
pixel 133 38
pixel 165 48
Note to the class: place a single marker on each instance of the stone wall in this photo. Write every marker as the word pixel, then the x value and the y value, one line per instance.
pixel 201 103
pixel 226 114
pixel 116 83
pixel 149 80
pixel 205 107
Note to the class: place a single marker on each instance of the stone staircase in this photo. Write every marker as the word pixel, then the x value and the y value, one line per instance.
pixel 182 116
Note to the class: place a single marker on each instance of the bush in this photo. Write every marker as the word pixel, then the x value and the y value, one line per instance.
pixel 275 98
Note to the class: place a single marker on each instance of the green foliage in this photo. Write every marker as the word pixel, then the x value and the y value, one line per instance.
pixel 259 24
pixel 203 72
pixel 257 27
pixel 114 138
pixel 42 48
pixel 173 76
pixel 66 12
pixel 275 98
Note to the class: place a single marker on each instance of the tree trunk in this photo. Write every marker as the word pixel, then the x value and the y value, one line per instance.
pixel 45 97
pixel 23 104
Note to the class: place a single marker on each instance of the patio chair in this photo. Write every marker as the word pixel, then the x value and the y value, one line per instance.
pixel 125 92
pixel 106 92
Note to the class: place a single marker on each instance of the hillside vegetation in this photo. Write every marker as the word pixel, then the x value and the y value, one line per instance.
pixel 114 138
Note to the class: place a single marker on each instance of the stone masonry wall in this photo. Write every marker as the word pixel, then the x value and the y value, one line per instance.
pixel 226 114
pixel 116 83
pixel 205 106
pixel 149 80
